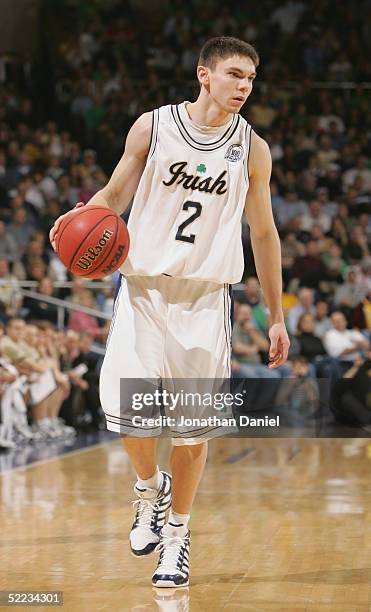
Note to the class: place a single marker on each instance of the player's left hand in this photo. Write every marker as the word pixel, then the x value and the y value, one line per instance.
pixel 54 230
pixel 280 345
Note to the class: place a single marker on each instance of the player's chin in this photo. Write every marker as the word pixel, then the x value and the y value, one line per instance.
pixel 234 106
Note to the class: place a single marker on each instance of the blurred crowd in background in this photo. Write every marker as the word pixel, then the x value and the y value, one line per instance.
pixel 63 121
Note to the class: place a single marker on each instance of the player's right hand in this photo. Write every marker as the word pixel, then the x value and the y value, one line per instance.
pixel 54 230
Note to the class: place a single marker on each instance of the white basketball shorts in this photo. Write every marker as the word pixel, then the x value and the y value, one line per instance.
pixel 165 328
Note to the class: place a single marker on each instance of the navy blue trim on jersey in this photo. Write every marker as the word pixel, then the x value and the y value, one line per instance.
pixel 247 140
pixel 151 137
pixel 154 132
pixel 228 323
pixel 197 142
pixel 115 305
pixel 248 154
pixel 225 317
pixel 117 289
pixel 204 147
pixel 230 291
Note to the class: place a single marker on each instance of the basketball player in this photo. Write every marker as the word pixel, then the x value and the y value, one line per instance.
pixel 193 169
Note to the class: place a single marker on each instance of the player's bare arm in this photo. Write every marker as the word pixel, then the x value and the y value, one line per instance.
pixel 266 246
pixel 121 187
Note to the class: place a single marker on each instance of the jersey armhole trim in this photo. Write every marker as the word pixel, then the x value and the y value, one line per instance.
pixel 248 131
pixel 154 132
pixel 248 153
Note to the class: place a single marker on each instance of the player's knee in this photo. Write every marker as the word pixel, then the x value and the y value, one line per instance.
pixel 193 450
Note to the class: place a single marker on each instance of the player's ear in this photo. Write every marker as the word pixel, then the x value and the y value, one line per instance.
pixel 203 75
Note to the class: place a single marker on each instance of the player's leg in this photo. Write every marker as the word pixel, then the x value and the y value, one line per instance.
pixel 198 350
pixel 153 491
pixel 134 348
pixel 142 454
pixel 187 465
pixel 55 402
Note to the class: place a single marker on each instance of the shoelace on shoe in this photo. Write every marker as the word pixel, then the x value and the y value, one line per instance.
pixel 144 512
pixel 169 548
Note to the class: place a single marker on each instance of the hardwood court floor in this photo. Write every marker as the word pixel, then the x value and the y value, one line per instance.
pixel 278 525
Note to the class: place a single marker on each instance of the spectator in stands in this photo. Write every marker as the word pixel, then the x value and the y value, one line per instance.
pixel 52 211
pixel 8 176
pixel 7 376
pixel 70 349
pixel 81 321
pixel 91 376
pixel 338 232
pixel 350 397
pixel 290 211
pixel 45 353
pixel 9 288
pixel 344 344
pixel 309 269
pixel 297 398
pixel 291 248
pixel 322 322
pixel 36 269
pixel 315 215
pixel 334 262
pixel 312 348
pixel 32 193
pixel 20 230
pixel 77 291
pixel 365 273
pixel 357 247
pixel 13 347
pixel 8 244
pixel 319 236
pixel 27 361
pixel 361 169
pixel 305 305
pixel 38 310
pixel 253 294
pixel 327 154
pixel 18 202
pixel 350 294
pixel 67 194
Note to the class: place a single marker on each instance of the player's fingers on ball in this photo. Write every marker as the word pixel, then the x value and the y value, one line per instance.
pixel 273 360
pixel 54 230
pixel 285 351
pixel 285 348
pixel 51 237
pixel 274 364
pixel 79 204
pixel 273 348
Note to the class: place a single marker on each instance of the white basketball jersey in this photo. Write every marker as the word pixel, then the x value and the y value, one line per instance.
pixel 186 215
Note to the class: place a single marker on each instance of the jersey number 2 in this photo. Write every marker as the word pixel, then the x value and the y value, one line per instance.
pixel 186 206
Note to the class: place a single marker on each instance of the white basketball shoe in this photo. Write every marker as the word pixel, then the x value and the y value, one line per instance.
pixel 151 507
pixel 173 564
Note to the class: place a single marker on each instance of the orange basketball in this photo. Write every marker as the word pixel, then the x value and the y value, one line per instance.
pixel 92 241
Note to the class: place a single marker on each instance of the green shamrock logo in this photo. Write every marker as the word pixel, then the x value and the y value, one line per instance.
pixel 201 168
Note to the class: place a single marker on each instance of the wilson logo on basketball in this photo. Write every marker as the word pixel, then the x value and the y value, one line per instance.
pixel 115 259
pixel 85 261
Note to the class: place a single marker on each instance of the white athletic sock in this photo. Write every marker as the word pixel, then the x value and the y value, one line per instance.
pixel 177 524
pixel 154 482
pixel 44 423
